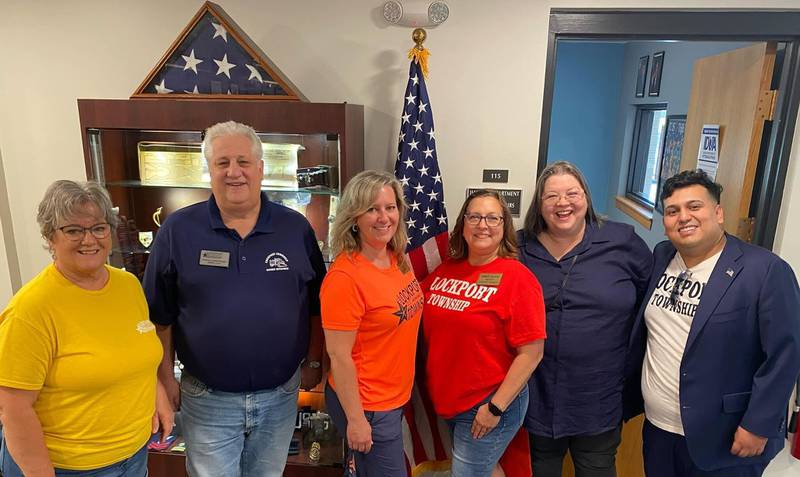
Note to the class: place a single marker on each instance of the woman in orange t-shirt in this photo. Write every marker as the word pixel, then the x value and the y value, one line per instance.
pixel 371 308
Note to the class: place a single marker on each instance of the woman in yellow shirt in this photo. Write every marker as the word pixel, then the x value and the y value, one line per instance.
pixel 78 355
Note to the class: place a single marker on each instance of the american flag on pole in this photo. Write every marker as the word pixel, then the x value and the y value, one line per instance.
pixel 425 436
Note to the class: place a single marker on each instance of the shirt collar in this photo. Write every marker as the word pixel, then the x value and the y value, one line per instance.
pixel 263 223
pixel 591 234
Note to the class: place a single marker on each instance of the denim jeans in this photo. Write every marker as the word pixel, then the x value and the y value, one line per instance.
pixel 477 457
pixel 237 434
pixel 133 466
pixel 386 458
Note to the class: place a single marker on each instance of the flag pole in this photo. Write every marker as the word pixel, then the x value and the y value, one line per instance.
pixel 419 53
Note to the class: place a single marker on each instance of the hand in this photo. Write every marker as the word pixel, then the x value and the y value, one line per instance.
pixel 173 390
pixel 359 435
pixel 164 416
pixel 309 377
pixel 747 444
pixel 484 422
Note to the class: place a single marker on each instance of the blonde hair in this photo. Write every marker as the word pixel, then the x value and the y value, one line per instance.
pixel 357 197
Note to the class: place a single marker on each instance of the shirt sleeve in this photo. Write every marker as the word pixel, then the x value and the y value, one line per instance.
pixel 160 281
pixel 641 266
pixel 318 265
pixel 342 305
pixel 26 352
pixel 526 309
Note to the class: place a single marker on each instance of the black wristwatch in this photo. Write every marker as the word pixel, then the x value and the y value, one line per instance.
pixel 496 411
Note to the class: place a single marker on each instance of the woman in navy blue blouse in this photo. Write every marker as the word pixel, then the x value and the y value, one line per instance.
pixel 593 274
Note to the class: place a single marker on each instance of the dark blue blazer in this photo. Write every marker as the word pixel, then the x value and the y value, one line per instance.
pixel 742 356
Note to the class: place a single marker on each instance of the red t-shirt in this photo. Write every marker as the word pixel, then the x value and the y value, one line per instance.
pixel 474 319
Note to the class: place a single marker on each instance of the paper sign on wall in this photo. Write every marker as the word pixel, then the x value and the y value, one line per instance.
pixel 708 155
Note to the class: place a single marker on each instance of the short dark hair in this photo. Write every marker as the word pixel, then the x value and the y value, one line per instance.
pixel 690 178
pixel 508 246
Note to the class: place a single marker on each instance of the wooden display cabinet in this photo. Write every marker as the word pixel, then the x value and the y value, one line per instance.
pixel 113 131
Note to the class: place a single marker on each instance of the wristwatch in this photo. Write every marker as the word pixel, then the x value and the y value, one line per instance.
pixel 313 364
pixel 496 411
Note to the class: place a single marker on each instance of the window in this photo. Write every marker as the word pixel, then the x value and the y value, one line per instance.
pixel 645 163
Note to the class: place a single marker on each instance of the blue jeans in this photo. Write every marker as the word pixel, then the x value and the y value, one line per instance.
pixel 133 466
pixel 477 457
pixel 386 457
pixel 237 434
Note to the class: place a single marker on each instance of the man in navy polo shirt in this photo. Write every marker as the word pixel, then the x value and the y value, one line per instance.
pixel 233 285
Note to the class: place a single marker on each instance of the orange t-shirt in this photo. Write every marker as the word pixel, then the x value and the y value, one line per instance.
pixel 384 308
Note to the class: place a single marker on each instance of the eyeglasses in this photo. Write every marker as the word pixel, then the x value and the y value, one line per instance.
pixel 491 220
pixel 76 232
pixel 558 300
pixel 683 277
pixel 571 196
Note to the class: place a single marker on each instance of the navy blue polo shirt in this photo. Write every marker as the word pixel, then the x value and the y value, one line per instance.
pixel 591 298
pixel 239 307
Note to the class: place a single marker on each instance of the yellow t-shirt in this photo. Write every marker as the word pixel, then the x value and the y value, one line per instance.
pixel 92 355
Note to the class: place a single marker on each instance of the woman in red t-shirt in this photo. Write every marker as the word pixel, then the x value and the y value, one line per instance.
pixel 371 309
pixel 484 327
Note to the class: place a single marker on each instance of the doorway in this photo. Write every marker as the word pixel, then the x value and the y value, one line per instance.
pixel 779 31
pixel 739 28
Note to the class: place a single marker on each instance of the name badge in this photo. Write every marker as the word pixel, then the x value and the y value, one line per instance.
pixel 489 279
pixel 213 258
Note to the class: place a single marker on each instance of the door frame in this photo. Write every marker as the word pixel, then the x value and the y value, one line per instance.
pixel 705 25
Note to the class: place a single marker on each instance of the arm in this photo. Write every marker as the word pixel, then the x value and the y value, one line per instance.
pixel 310 377
pixel 779 329
pixel 166 369
pixel 23 432
pixel 528 357
pixel 164 415
pixel 340 349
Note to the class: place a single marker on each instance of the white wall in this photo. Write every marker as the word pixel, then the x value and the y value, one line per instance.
pixel 486 84
pixel 487 77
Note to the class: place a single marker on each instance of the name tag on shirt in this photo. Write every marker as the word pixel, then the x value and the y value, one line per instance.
pixel 489 279
pixel 213 258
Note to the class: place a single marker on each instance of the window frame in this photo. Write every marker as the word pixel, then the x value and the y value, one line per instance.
pixel 633 156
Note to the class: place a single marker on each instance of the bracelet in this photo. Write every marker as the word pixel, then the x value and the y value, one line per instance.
pixel 496 411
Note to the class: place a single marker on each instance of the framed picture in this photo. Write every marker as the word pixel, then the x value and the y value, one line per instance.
pixel 655 74
pixel 670 153
pixel 641 76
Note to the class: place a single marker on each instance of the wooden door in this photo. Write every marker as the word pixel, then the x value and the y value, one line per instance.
pixel 732 89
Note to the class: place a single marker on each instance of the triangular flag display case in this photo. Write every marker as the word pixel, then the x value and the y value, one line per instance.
pixel 146 151
pixel 214 58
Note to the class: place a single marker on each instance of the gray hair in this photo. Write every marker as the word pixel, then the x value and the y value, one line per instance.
pixel 64 199
pixel 357 198
pixel 230 128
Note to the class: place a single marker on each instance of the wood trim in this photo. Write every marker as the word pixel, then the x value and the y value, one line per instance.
pixel 638 212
